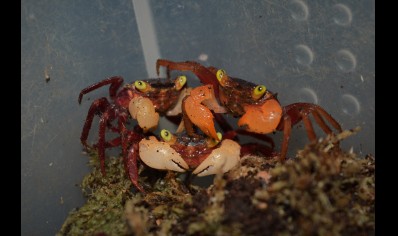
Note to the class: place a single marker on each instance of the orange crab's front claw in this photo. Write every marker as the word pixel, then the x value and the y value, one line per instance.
pixel 262 118
pixel 197 107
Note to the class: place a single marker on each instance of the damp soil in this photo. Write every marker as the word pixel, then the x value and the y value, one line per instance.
pixel 322 191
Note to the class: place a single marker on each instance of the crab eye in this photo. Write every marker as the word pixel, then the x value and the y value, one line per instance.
pixel 219 135
pixel 220 74
pixel 166 135
pixel 180 82
pixel 213 142
pixel 141 85
pixel 258 91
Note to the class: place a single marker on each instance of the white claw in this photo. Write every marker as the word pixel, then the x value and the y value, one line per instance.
pixel 143 111
pixel 159 155
pixel 221 159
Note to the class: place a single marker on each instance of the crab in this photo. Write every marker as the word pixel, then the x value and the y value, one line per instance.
pixel 258 109
pixel 187 150
pixel 199 154
pixel 142 100
pixel 197 107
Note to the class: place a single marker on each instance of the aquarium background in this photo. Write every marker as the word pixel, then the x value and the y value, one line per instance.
pixel 321 52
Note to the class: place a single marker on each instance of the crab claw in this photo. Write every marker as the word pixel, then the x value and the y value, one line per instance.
pixel 177 108
pixel 262 118
pixel 197 107
pixel 159 155
pixel 143 110
pixel 221 159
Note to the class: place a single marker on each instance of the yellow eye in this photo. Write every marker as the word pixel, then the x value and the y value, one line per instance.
pixel 211 142
pixel 141 85
pixel 258 91
pixel 166 135
pixel 219 135
pixel 180 82
pixel 220 74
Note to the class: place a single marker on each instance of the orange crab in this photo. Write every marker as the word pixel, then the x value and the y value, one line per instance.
pixel 258 108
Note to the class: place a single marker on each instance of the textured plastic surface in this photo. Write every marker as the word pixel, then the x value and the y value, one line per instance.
pixel 312 51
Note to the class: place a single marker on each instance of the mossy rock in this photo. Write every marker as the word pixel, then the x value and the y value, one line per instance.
pixel 323 191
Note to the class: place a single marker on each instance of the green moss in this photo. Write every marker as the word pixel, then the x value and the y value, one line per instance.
pixel 324 191
pixel 106 196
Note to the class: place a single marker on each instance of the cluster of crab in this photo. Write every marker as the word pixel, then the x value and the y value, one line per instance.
pixel 195 146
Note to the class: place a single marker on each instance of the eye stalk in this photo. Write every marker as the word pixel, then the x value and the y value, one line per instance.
pixel 258 92
pixel 219 136
pixel 167 136
pixel 142 85
pixel 211 142
pixel 222 77
pixel 180 82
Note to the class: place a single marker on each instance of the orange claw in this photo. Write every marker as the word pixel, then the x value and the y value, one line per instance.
pixel 262 118
pixel 199 114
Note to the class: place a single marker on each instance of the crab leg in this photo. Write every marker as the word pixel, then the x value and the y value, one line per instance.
pixel 99 105
pixel 114 81
pixel 287 123
pixel 294 113
pixel 106 117
pixel 329 118
pixel 109 144
pixel 308 127
pixel 123 134
pixel 132 167
pixel 205 75
pixel 130 157
pixel 318 119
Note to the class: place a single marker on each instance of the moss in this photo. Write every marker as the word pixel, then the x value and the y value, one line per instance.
pixel 106 196
pixel 323 191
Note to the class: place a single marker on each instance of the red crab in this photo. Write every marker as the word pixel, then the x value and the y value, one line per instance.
pixel 202 155
pixel 141 100
pixel 258 108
